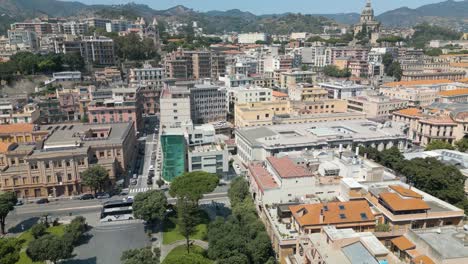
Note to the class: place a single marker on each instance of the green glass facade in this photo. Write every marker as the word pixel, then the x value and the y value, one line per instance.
pixel 173 148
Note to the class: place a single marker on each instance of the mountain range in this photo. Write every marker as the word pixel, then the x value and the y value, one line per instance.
pixel 450 13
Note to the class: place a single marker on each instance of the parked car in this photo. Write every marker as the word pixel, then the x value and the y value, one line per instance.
pixel 19 202
pixel 103 195
pixel 128 199
pixel 151 168
pixel 149 181
pixel 124 192
pixel 86 196
pixel 42 201
pixel 133 181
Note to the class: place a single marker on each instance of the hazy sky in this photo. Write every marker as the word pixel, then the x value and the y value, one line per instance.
pixel 275 6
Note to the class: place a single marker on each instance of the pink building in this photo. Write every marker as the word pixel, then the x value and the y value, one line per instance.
pixel 356 53
pixel 115 111
pixel 69 101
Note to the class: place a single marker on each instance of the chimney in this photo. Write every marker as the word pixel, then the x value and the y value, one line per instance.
pixel 322 217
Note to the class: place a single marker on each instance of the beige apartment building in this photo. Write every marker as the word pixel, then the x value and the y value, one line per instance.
pixel 376 106
pixel 307 92
pixel 453 96
pixel 54 167
pixel 415 96
pixel 290 112
pixel 288 79
pixel 446 122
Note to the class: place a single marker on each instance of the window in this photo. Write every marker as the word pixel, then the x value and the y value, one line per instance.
pixel 342 216
pixel 67 163
pixel 101 154
pixel 364 216
pixel 342 207
pixel 48 178
pixel 33 166
pixel 69 176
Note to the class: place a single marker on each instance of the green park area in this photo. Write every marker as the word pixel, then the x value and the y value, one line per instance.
pixel 172 234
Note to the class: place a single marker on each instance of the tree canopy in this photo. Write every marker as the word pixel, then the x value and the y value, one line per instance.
pixel 333 71
pixel 425 32
pixel 192 258
pixel 30 63
pixel 439 144
pixel 95 177
pixel 7 204
pixel 429 175
pixel 141 256
pixel 238 191
pixel 49 247
pixel 194 185
pixel 150 206
pixel 241 238
pixel 9 250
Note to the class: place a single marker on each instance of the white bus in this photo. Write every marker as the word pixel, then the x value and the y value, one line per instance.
pixel 117 211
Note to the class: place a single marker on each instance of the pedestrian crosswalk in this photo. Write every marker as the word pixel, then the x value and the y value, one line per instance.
pixel 140 190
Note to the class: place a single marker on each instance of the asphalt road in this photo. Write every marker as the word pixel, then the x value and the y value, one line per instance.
pixel 107 242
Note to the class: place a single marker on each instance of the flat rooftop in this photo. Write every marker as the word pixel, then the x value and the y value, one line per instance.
pixel 319 133
pixel 450 243
pixel 68 135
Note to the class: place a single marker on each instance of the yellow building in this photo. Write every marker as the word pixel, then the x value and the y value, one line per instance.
pixel 20 133
pixel 291 112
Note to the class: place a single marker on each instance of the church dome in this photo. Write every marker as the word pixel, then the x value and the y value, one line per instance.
pixel 368 10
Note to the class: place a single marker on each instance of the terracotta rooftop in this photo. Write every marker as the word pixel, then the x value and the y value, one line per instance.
pixel 459 64
pixel 6 146
pixel 262 177
pixel 333 213
pixel 279 94
pixel 402 243
pixel 454 92
pixel 16 128
pixel 286 168
pixel 423 259
pixel 413 112
pixel 442 120
pixel 412 83
pixel 405 191
pixel 397 203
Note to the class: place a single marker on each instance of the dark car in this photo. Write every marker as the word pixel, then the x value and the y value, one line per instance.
pixel 149 181
pixel 42 201
pixel 19 202
pixel 102 195
pixel 87 196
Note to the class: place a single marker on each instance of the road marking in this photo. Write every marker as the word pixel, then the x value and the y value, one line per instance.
pixel 140 190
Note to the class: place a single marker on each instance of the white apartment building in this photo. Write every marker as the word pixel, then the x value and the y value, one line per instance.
pixel 343 90
pixel 175 108
pixel 201 134
pixel 148 75
pixel 251 38
pixel 209 158
pixel 317 56
pixel 247 94
pixel 208 103
pixel 26 40
pixel 75 28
